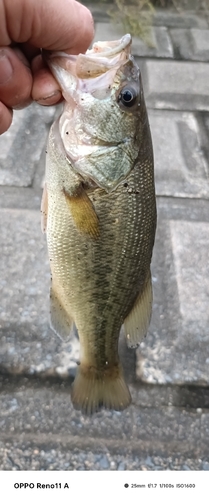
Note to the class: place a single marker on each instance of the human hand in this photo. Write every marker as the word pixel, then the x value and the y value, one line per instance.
pixel 26 26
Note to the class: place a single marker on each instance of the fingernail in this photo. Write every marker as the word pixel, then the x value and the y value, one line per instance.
pixel 51 99
pixel 6 69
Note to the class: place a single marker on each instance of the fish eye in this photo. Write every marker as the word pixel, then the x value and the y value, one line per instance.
pixel 127 96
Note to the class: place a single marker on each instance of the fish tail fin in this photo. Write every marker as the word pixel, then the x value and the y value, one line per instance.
pixel 93 389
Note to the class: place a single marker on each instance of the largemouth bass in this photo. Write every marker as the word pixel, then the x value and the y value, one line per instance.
pixel 99 214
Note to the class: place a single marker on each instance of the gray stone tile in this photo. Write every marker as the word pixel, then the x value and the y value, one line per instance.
pixel 192 275
pixel 200 41
pixel 21 146
pixel 163 46
pixel 181 169
pixel 184 19
pixel 176 349
pixel 182 43
pixel 191 44
pixel 176 85
pixel 20 198
pixel 159 43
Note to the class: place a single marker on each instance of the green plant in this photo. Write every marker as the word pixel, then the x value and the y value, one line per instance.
pixel 136 17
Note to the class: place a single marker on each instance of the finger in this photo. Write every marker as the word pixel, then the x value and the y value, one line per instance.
pixel 29 50
pixel 5 118
pixel 55 25
pixel 15 79
pixel 45 90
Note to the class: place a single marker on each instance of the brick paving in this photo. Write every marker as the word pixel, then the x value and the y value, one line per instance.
pixel 166 427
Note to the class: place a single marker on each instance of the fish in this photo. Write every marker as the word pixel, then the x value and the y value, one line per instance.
pixel 99 215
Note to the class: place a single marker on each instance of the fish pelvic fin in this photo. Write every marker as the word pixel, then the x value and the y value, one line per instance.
pixel 83 212
pixel 60 321
pixel 137 322
pixel 44 209
pixel 93 390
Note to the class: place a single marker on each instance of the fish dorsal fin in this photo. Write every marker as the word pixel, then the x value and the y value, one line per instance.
pixel 44 209
pixel 60 320
pixel 137 322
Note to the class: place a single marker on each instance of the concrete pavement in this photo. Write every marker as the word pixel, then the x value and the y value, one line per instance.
pixel 167 425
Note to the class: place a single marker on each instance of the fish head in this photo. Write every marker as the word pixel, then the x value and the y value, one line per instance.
pixel 101 126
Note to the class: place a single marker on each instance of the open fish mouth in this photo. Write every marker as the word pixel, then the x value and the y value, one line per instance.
pixel 102 57
pixel 86 72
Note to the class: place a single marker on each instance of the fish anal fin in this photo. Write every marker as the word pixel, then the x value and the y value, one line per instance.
pixel 60 321
pixel 93 390
pixel 44 209
pixel 83 212
pixel 137 322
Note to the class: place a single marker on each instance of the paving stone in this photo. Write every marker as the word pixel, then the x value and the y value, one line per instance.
pixel 180 20
pixel 181 169
pixel 192 275
pixel 22 145
pixel 176 85
pixel 176 349
pixel 182 43
pixel 159 44
pixel 21 198
pixel 179 208
pixel 191 44
pixel 200 40
pixel 203 120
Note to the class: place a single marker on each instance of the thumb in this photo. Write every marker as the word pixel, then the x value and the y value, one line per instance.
pixel 51 24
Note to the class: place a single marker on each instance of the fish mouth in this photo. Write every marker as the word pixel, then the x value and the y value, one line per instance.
pixel 84 70
pixel 101 57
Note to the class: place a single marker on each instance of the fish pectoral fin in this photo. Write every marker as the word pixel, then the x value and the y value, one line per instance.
pixel 83 212
pixel 62 324
pixel 93 389
pixel 137 322
pixel 44 209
